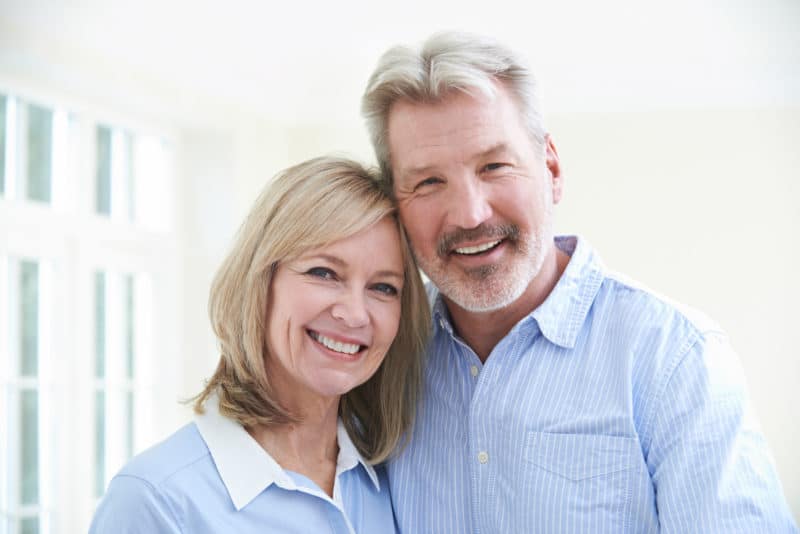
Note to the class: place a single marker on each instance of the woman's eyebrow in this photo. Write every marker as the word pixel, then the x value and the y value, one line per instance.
pixel 391 274
pixel 326 257
pixel 336 260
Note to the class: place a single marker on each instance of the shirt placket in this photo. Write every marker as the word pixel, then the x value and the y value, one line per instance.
pixel 480 460
pixel 484 431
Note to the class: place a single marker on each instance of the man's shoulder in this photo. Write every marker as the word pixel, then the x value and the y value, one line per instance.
pixel 630 300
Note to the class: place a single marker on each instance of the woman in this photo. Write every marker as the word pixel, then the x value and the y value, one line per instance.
pixel 321 318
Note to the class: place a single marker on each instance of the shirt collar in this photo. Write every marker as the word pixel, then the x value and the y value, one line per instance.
pixel 441 317
pixel 349 457
pixel 561 316
pixel 246 468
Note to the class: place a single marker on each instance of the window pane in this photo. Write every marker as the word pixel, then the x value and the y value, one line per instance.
pixel 129 334
pixel 129 424
pixel 103 191
pixel 2 144
pixel 99 325
pixel 29 318
pixel 29 447
pixel 40 152
pixel 128 174
pixel 99 442
pixel 29 525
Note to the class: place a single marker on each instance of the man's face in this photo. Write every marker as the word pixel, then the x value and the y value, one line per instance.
pixel 476 195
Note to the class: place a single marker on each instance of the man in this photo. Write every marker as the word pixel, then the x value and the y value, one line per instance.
pixel 559 397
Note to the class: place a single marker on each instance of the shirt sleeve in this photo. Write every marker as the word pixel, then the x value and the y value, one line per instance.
pixel 132 505
pixel 709 461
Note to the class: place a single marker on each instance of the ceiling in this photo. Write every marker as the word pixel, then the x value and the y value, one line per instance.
pixel 304 60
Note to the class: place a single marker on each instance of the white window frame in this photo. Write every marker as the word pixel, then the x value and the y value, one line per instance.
pixel 71 243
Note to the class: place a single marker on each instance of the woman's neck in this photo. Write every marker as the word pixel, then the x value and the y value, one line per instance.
pixel 309 447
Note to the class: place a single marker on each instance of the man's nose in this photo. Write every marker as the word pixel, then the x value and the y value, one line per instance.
pixel 351 309
pixel 469 204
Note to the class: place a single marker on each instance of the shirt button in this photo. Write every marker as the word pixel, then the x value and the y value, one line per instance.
pixel 473 370
pixel 483 457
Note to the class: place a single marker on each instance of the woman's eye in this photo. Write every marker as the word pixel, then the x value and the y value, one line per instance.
pixel 321 272
pixel 386 289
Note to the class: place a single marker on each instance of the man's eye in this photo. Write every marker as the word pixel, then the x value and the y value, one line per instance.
pixel 321 272
pixel 433 180
pixel 494 166
pixel 386 289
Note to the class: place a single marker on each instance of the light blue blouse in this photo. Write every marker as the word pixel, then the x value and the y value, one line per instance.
pixel 212 476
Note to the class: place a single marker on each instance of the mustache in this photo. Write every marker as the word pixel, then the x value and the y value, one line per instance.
pixel 483 231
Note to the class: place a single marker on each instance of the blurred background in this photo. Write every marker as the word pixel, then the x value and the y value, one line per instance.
pixel 135 135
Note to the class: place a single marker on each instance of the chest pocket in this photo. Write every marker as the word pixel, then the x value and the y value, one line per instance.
pixel 579 457
pixel 579 482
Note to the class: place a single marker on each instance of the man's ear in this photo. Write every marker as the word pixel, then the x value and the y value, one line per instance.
pixel 554 166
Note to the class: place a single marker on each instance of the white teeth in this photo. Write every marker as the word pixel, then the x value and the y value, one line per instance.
pixel 345 348
pixel 478 248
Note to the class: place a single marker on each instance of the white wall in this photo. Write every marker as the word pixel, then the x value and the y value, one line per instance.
pixel 222 173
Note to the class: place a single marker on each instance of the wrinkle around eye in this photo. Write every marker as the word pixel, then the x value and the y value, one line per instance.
pixel 428 185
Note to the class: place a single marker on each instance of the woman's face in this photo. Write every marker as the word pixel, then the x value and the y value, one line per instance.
pixel 333 313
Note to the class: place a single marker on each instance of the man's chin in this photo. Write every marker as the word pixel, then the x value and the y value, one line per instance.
pixel 480 297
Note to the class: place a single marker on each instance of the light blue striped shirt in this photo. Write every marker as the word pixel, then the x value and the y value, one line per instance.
pixel 211 476
pixel 606 410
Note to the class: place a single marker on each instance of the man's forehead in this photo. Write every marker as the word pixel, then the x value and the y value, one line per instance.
pixel 458 114
pixel 455 99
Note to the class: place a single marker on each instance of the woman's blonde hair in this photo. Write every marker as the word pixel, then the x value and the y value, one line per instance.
pixel 307 206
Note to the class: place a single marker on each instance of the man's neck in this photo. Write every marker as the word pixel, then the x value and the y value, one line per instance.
pixel 482 331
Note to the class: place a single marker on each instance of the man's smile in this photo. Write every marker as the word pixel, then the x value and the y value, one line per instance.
pixel 477 249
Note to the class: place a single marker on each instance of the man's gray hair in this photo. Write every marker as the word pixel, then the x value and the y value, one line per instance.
pixel 446 62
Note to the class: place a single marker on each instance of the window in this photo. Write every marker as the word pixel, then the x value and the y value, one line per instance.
pixel 103 193
pixel 26 136
pixel 117 347
pixel 2 143
pixel 114 192
pixel 24 286
pixel 87 265
pixel 38 148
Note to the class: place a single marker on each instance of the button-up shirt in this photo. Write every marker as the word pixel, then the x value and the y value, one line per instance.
pixel 212 476
pixel 607 409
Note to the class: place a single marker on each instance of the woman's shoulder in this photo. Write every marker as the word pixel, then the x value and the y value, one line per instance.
pixel 143 496
pixel 162 461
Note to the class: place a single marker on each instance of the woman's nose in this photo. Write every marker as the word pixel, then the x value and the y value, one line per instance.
pixel 351 309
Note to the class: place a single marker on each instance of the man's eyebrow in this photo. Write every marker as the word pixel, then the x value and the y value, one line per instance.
pixel 416 171
pixel 499 148
pixel 491 151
